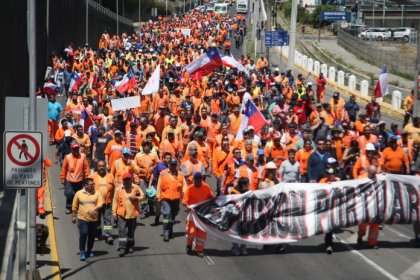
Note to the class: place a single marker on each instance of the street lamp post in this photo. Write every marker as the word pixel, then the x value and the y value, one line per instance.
pixel 383 14
pixel 87 22
pixel 292 34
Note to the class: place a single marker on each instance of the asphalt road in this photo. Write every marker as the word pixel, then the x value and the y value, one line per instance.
pixel 397 257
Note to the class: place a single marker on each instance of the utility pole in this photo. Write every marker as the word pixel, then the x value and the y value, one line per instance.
pixel 87 22
pixel 166 7
pixel 31 30
pixel 292 36
pixel 383 14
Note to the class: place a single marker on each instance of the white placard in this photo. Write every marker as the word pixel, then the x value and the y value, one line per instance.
pixel 122 104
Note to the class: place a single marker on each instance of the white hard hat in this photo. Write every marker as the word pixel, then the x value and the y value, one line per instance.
pixel 270 165
pixel 370 147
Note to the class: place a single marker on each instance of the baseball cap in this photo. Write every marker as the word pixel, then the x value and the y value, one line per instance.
pixel 318 105
pixel 292 125
pixel 117 132
pixel 270 165
pixel 260 152
pixel 75 145
pixel 126 176
pixel 336 95
pixel 101 127
pixel 197 175
pixel 370 147
pixel 126 151
pixel 67 133
pixel 173 161
pixel 199 133
pixel 250 127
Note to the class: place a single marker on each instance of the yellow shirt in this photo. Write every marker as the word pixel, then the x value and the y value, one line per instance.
pixel 83 202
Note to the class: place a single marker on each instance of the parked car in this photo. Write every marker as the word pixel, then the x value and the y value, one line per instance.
pixel 375 33
pixel 402 33
pixel 355 29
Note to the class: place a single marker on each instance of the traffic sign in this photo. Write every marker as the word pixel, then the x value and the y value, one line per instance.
pixel 22 152
pixel 335 16
pixel 276 38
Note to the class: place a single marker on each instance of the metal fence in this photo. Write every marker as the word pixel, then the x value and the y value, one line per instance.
pixel 396 61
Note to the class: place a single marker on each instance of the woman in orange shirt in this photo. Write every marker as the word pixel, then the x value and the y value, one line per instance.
pixel 302 157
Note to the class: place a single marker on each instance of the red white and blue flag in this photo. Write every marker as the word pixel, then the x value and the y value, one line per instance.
pixel 381 88
pixel 51 89
pixel 86 120
pixel 205 64
pixel 251 117
pixel 127 83
pixel 75 82
pixel 231 62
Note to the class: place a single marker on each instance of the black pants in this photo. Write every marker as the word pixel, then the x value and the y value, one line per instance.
pixel 407 117
pixel 70 188
pixel 126 229
pixel 87 231
pixel 169 210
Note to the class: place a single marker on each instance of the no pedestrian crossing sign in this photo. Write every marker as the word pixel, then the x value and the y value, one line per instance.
pixel 22 153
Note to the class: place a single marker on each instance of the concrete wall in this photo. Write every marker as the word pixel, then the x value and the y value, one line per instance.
pixel 395 61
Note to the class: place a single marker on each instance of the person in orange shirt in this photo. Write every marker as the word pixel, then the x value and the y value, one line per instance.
pixel 74 170
pixel 123 165
pixel 274 150
pixel 203 150
pixel 220 159
pixel 170 145
pixel 170 187
pixel 113 149
pixel 59 135
pixel 196 192
pixel 302 157
pixel 235 120
pixel 337 107
pixel 173 126
pixel 191 165
pixel 213 130
pixel 104 183
pixel 366 138
pixel 395 159
pixel 249 171
pixel 224 133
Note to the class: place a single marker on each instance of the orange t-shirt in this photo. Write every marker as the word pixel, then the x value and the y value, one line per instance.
pixel 394 160
pixel 113 150
pixel 195 195
pixel 302 157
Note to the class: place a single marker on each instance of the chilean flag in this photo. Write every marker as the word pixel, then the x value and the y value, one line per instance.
pixel 128 82
pixel 231 62
pixel 75 82
pixel 204 64
pixel 85 120
pixel 381 88
pixel 51 89
pixel 252 116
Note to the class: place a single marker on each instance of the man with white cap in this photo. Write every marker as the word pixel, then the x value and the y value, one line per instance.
pixel 251 135
pixel 64 146
pixel 364 161
pixel 269 176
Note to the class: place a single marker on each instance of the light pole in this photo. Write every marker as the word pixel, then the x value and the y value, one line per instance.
pixel 292 36
pixel 166 7
pixel 139 15
pixel 373 14
pixel 383 14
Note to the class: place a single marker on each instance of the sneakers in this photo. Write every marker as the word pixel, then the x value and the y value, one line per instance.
pixel 68 211
pixel 110 240
pixel 329 250
pixel 166 238
pixel 188 249
pixel 200 254
pixel 121 252
pixel 281 248
pixel 243 250
pixel 235 250
pixel 89 254
pixel 130 250
pixel 82 256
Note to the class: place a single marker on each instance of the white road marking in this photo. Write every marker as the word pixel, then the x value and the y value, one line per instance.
pixel 208 260
pixel 398 233
pixel 367 260
pixel 412 273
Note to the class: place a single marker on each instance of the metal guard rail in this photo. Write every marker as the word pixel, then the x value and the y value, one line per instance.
pixel 109 13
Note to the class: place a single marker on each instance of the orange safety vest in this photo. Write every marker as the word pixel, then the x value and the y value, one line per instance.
pixel 252 174
pixel 122 199
pixel 170 187
pixel 75 169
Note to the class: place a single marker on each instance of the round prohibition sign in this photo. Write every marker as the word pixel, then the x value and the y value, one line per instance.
pixel 32 157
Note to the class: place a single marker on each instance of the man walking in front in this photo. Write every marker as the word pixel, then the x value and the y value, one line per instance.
pixel 197 192
pixel 86 204
pixel 170 186
pixel 125 209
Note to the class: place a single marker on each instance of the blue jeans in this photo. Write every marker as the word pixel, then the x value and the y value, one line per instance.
pixel 87 232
